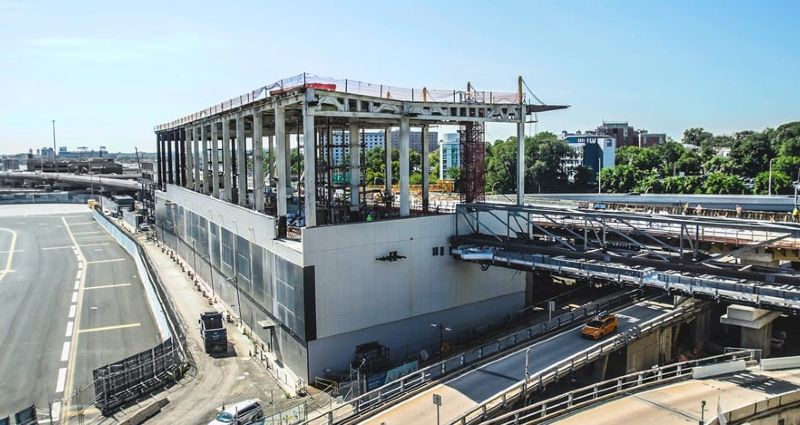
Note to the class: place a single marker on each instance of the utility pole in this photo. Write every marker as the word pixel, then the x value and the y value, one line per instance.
pixel 54 139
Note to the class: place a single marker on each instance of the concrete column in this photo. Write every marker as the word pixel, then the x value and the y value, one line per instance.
pixel 287 140
pixel 159 156
pixel 280 163
pixel 310 167
pixel 425 167
pixel 196 132
pixel 405 201
pixel 169 142
pixel 204 144
pixel 241 160
pixel 272 154
pixel 215 159
pixel 521 158
pixel 355 167
pixel 387 142
pixel 182 157
pixel 190 136
pixel 258 161
pixel 227 169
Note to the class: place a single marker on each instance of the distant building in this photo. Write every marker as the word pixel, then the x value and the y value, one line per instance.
pixel 591 150
pixel 9 164
pixel 626 135
pixel 449 154
pixel 46 152
pixel 651 139
pixel 82 152
pixel 375 139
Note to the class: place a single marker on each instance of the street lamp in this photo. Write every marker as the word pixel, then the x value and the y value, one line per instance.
pixel 442 329
pixel 599 168
pixel 769 190
pixel 527 351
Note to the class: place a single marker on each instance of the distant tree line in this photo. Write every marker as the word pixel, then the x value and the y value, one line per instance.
pixel 673 168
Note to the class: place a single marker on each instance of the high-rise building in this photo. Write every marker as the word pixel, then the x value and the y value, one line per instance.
pixel 449 155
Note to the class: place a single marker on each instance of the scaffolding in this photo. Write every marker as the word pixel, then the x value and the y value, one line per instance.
pixel 472 180
pixel 334 189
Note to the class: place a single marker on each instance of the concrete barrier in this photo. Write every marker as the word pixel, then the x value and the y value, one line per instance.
pixel 780 363
pixel 700 372
pixel 148 412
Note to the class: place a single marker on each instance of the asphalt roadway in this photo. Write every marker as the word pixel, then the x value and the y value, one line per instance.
pixel 469 389
pixel 72 301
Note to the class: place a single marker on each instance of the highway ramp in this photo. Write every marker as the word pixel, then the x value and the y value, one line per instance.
pixel 467 390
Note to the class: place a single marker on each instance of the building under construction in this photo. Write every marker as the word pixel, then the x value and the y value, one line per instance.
pixel 250 195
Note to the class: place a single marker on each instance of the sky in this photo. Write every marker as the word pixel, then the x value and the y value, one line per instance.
pixel 108 72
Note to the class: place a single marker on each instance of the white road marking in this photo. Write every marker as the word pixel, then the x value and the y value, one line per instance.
pixel 106 261
pixel 62 380
pixel 75 296
pixel 73 246
pixel 78 275
pixel 56 410
pixel 65 352
pixel 70 324
pixel 11 252
pixel 86 233
pixel 115 285
pixel 77 285
pixel 72 311
pixel 13 244
pixel 110 328
pixel 75 310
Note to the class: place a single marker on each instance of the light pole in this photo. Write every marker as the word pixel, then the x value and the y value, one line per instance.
pixel 769 185
pixel 599 181
pixel 527 351
pixel 442 329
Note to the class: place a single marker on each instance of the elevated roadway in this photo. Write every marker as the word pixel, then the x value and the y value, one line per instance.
pixel 116 182
pixel 467 390
pixel 71 302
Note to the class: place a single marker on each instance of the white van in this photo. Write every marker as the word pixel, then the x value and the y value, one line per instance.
pixel 240 413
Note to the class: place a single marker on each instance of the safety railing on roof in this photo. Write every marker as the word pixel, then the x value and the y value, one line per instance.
pixel 305 80
pixel 538 381
pixel 547 410
pixel 393 390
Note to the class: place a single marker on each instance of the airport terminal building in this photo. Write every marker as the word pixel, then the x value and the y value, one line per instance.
pixel 314 261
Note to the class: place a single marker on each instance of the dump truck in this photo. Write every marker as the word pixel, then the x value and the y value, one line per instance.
pixel 212 329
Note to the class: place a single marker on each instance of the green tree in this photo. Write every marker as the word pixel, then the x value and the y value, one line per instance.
pixel 752 151
pixel 670 152
pixel 719 164
pixel 724 184
pixel 641 158
pixel 696 136
pixel 689 163
pixel 781 183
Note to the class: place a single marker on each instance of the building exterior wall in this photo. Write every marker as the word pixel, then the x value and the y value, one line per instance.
pixel 330 292
pixel 222 241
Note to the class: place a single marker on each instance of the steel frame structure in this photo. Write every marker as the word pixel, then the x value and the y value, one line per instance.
pixel 667 252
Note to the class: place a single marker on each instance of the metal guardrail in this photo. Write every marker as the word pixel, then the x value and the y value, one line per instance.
pixel 539 381
pixel 565 403
pixel 395 389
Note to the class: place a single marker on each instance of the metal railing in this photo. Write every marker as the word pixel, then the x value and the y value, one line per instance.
pixel 565 403
pixel 395 389
pixel 420 94
pixel 538 381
